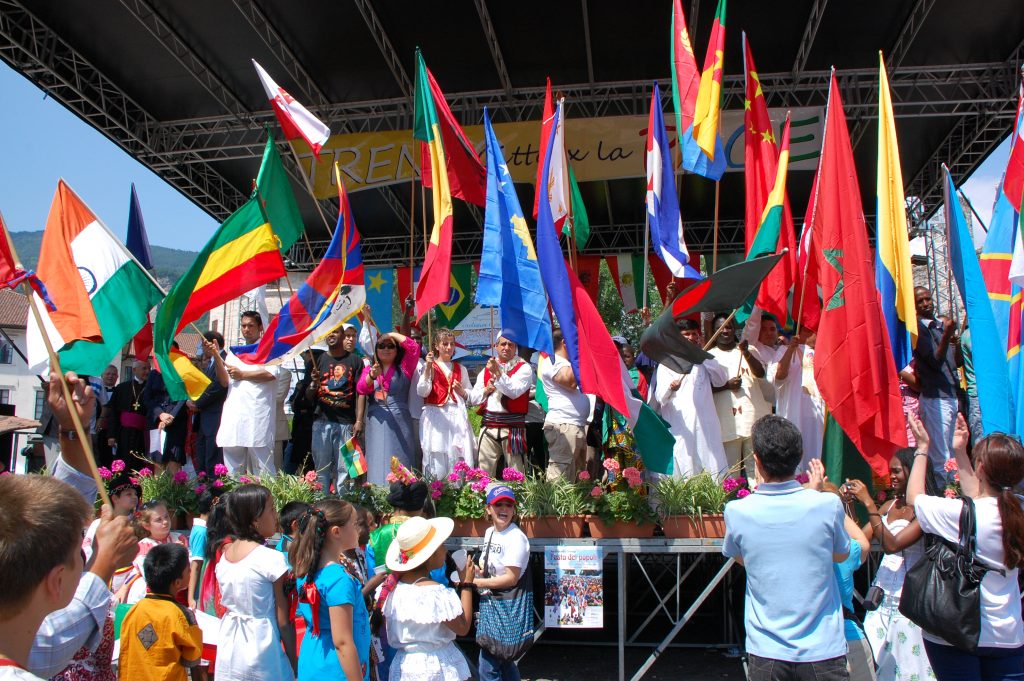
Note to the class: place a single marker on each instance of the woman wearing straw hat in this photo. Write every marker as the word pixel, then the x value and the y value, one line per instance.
pixel 424 617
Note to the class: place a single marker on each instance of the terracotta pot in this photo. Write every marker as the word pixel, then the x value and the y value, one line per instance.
pixel 714 526
pixel 471 527
pixel 618 530
pixel 690 527
pixel 570 526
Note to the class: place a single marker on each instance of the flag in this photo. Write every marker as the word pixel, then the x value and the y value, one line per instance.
pixel 459 303
pixel 355 460
pixel 665 221
pixel 405 281
pixel 331 294
pixel 1013 179
pixel 894 277
pixel 685 85
pixel 841 459
pixel 295 119
pixel 546 120
pixel 244 252
pixel 138 245
pixel 761 159
pixel 663 276
pixel 709 94
pixel 559 192
pixel 628 274
pixel 509 276
pixel 11 274
pixel 380 295
pixel 588 269
pixel 194 379
pixel 101 293
pixel 466 178
pixel 989 355
pixel 806 307
pixel 725 289
pixel 580 221
pixel 853 363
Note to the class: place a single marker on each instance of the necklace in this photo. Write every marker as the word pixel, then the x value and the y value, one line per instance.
pixel 135 396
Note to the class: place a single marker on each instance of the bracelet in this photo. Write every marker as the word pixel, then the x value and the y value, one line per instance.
pixel 920 453
pixel 876 513
pixel 464 586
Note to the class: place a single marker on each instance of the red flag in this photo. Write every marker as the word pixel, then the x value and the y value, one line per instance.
pixel 588 269
pixel 853 362
pixel 142 344
pixel 662 275
pixel 467 178
pixel 546 120
pixel 1013 182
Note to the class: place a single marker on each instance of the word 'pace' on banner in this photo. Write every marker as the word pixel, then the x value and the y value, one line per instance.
pixel 573 587
pixel 606 148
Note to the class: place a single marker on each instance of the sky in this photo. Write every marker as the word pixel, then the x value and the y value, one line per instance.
pixel 45 141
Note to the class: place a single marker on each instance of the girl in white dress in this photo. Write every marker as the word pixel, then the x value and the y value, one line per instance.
pixel 445 433
pixel 251 578
pixel 424 617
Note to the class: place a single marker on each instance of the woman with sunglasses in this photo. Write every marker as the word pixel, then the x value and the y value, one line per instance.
pixel 388 421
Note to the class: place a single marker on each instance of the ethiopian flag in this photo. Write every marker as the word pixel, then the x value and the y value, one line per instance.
pixel 244 253
pixel 709 95
pixel 355 460
pixel 194 379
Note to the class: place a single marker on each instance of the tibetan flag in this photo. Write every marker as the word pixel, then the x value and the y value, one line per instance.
pixel 295 119
pixel 102 294
pixel 244 253
pixel 894 277
pixel 355 460
pixel 546 120
pixel 760 174
pixel 459 303
pixel 988 353
pixel 685 85
pixel 331 294
pixel 709 94
pixel 628 275
pixel 853 363
pixel 509 276
pixel 380 295
pixel 665 221
pixel 194 379
pixel 1013 180
pixel 11 274
pixel 138 245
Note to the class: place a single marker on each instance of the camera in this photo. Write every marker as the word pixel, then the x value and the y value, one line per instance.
pixel 873 598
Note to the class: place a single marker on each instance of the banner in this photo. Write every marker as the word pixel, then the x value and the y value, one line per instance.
pixel 380 296
pixel 605 148
pixel 573 587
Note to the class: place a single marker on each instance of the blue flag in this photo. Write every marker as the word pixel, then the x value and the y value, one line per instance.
pixel 380 296
pixel 991 374
pixel 137 241
pixel 510 276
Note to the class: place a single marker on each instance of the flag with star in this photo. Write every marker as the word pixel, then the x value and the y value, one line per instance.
pixel 459 303
pixel 380 295
pixel 761 162
pixel 853 363
pixel 510 276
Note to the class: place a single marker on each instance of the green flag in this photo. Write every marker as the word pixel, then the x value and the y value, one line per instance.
pixel 460 302
pixel 580 221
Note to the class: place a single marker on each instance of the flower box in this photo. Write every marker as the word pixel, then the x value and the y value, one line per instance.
pixel 470 527
pixel 619 530
pixel 570 526
pixel 694 527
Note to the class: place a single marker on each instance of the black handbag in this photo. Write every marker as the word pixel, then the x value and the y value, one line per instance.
pixel 941 593
pixel 506 625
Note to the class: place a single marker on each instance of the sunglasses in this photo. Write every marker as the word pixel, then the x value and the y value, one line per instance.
pixel 387 346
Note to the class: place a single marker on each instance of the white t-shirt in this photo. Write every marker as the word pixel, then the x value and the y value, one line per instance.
pixel 1000 595
pixel 508 548
pixel 17 674
pixel 564 406
pixel 249 415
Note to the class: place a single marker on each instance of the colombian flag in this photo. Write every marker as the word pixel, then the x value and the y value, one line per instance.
pixel 245 252
pixel 709 96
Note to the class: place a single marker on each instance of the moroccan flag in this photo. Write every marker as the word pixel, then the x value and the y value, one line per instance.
pixel 355 460
pixel 138 245
pixel 101 293
pixel 244 253
pixel 806 308
pixel 194 379
pixel 709 95
pixel 546 121
pixel 628 275
pixel 296 121
pixel 894 277
pixel 760 175
pixel 853 363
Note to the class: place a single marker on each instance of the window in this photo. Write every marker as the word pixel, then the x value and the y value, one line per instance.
pixel 6 353
pixel 5 395
pixel 40 401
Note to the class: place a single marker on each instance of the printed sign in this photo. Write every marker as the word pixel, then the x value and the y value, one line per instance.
pixel 574 587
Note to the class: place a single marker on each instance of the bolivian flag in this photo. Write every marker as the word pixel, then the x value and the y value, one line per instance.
pixel 243 254
pixel 709 95
pixel 194 379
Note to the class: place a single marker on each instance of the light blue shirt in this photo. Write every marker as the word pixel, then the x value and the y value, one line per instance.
pixel 786 536
pixel 844 578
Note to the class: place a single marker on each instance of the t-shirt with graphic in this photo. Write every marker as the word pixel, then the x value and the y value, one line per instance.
pixel 336 394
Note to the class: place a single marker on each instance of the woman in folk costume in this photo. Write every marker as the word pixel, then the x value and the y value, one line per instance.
pixel 445 433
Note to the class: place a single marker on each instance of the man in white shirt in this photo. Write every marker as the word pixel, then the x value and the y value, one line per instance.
pixel 503 391
pixel 798 399
pixel 566 420
pixel 247 422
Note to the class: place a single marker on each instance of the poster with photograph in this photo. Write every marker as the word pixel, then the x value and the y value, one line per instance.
pixel 573 587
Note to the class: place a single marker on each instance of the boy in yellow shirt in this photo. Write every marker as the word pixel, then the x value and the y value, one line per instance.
pixel 159 637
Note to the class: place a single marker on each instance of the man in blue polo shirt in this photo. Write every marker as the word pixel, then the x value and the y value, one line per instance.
pixel 787 537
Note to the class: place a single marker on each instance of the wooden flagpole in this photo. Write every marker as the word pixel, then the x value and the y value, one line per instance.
pixel 312 193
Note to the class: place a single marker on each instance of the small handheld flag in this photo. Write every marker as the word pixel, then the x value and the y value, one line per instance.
pixel 355 460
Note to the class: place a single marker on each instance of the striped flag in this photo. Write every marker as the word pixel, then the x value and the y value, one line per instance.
pixel 709 95
pixel 194 379
pixel 628 274
pixel 355 460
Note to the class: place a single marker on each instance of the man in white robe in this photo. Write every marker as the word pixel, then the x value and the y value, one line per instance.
pixel 798 399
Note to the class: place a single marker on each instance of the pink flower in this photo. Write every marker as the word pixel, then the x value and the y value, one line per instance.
pixel 391 477
pixel 180 478
pixel 217 484
pixel 220 469
pixel 461 466
pixel 743 493
pixel 730 485
pixel 201 475
pixel 597 491
pixel 956 478
pixel 803 478
pixel 134 481
pixel 105 473
pixel 435 495
pixel 4 474
pixel 479 486
pixel 950 466
pixel 611 465
pixel 453 477
pixel 437 485
pixel 244 479
pixel 117 465
pixel 633 482
pixel 512 475
pixel 145 472
pixel 583 475
pixel 318 486
pixel 950 493
pixel 200 489
pixel 631 472
pixel 476 474
pixel 310 477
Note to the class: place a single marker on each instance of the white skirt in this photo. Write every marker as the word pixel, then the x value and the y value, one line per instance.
pixel 444 664
pixel 446 437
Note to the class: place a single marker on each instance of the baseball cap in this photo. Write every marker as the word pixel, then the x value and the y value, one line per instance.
pixel 499 493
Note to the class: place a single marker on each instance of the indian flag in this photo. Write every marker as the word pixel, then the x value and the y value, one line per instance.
pixel 102 294
pixel 355 460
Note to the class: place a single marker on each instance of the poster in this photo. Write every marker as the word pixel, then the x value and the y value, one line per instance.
pixel 573 587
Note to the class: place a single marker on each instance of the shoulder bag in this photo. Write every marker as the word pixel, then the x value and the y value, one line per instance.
pixel 506 625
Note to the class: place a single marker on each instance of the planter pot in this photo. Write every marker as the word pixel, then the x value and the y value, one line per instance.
pixel 470 527
pixel 618 530
pixel 690 527
pixel 570 526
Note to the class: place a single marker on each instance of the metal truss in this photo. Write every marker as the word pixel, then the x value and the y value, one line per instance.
pixel 810 31
pixel 37 51
pixel 492 42
pixel 380 36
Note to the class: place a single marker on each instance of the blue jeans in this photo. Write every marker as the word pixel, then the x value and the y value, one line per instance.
pixel 493 669
pixel 984 664
pixel 767 669
pixel 938 414
pixel 328 437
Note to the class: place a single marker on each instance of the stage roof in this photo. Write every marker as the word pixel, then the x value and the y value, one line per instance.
pixel 171 82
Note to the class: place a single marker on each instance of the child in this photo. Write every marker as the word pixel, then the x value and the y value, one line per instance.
pixel 251 579
pixel 124 497
pixel 197 545
pixel 290 515
pixel 159 637
pixel 41 523
pixel 445 433
pixel 218 535
pixel 337 637
pixel 424 617
pixel 153 526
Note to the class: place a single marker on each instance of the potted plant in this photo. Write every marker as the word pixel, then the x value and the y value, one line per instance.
pixel 692 507
pixel 175 490
pixel 551 508
pixel 287 488
pixel 372 497
pixel 461 497
pixel 621 505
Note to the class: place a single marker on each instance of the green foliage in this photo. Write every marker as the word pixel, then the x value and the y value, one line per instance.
pixel 672 496
pixel 609 304
pixel 287 488
pixel 179 496
pixel 625 505
pixel 371 497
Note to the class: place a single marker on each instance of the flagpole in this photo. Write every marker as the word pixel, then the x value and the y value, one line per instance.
pixel 714 250
pixel 412 216
pixel 312 194
pixel 412 279
pixel 647 246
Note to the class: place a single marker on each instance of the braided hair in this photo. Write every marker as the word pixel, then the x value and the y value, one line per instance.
pixel 305 551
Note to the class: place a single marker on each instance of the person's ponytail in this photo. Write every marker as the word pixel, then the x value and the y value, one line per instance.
pixel 1001 459
pixel 305 552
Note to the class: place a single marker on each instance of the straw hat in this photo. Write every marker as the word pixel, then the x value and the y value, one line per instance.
pixel 416 541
